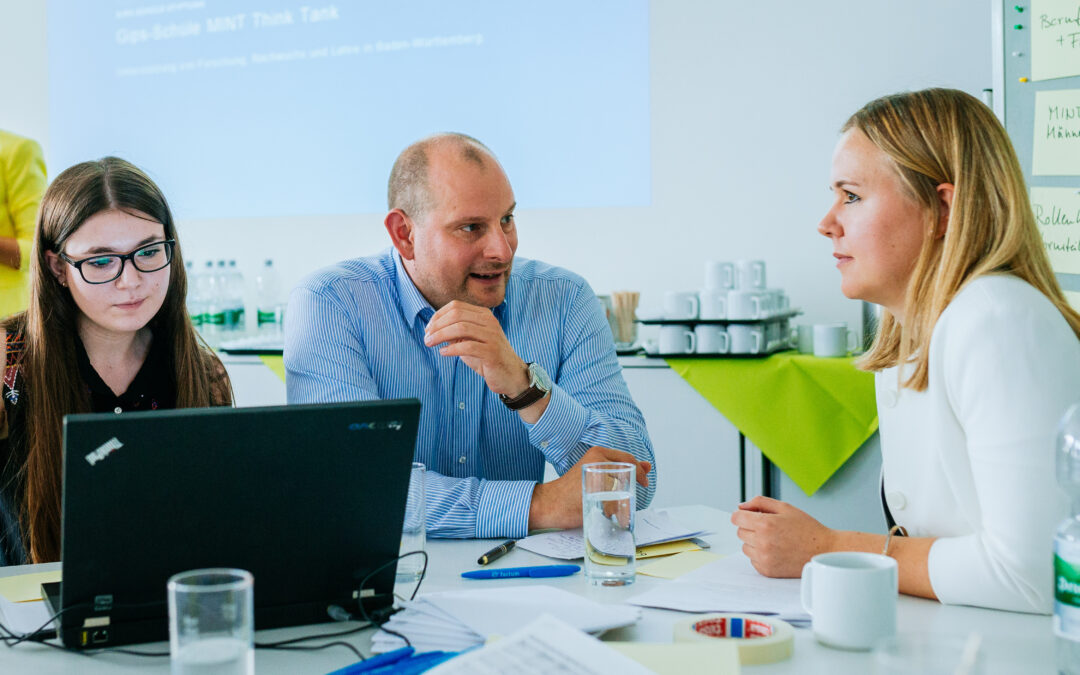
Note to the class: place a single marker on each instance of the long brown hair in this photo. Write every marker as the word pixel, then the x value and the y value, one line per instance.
pixel 54 387
pixel 937 136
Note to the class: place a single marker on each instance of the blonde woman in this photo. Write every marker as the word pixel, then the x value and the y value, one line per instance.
pixel 976 359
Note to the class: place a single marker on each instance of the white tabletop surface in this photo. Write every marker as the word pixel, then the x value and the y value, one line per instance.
pixel 1014 643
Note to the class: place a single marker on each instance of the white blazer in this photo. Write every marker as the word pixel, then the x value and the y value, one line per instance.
pixel 971 459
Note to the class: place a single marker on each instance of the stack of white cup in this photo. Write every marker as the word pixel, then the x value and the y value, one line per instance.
pixel 733 291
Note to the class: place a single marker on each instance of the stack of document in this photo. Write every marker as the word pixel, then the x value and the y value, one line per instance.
pixel 457 620
pixel 650 527
pixel 730 584
pixel 542 647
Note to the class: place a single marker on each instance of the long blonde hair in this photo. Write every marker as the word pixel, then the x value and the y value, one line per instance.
pixel 937 136
pixel 54 388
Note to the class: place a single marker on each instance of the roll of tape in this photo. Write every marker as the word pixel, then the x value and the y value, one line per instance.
pixel 759 639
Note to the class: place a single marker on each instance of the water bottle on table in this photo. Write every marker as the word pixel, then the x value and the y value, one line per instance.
pixel 1067 548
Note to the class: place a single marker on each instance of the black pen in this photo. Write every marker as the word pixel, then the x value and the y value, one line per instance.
pixel 496 553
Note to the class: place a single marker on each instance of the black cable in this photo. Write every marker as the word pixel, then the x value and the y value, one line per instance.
pixel 41 636
pixel 336 643
pixel 380 568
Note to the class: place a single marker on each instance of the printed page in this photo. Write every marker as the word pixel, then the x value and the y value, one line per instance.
pixel 547 646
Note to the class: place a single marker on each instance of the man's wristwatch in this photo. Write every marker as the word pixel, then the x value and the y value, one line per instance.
pixel 539 386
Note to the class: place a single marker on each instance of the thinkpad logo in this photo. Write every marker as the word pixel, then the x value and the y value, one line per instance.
pixel 392 425
pixel 104 450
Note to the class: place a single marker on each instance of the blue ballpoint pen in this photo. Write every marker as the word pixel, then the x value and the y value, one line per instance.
pixel 538 571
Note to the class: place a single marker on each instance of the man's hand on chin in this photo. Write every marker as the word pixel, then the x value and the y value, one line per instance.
pixel 474 334
pixel 558 503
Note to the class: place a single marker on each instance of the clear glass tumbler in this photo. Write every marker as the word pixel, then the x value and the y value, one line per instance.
pixel 414 529
pixel 212 622
pixel 608 500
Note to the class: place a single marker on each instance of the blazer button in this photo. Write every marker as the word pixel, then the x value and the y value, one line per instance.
pixel 896 501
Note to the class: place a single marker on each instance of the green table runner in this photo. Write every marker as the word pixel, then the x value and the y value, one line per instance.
pixel 808 415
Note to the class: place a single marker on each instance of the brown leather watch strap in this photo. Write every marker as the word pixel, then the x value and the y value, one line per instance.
pixel 524 399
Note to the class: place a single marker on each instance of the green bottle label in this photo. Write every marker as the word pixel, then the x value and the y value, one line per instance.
pixel 267 317
pixel 1066 582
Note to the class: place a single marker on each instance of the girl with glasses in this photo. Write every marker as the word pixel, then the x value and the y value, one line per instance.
pixel 976 358
pixel 107 330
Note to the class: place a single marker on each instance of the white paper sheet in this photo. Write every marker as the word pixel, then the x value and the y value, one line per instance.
pixel 650 527
pixel 543 647
pixel 730 584
pixel 456 620
pixel 24 617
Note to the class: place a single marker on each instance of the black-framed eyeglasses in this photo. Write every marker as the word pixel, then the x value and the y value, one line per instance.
pixel 101 269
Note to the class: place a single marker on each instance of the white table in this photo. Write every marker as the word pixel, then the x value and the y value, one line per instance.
pixel 1014 643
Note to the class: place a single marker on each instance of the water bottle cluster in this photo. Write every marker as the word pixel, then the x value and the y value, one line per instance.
pixel 216 301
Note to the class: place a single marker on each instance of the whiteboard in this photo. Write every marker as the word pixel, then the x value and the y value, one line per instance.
pixel 1012 23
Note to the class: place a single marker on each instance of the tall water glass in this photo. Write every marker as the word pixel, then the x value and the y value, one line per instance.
pixel 608 500
pixel 414 529
pixel 211 622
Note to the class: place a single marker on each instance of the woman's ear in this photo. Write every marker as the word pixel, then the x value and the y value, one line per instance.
pixel 945 193
pixel 57 266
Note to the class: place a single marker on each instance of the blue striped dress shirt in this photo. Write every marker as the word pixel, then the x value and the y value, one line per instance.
pixel 355 331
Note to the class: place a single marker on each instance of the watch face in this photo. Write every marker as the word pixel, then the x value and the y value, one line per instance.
pixel 539 377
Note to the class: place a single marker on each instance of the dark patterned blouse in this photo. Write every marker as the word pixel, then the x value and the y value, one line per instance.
pixel 152 388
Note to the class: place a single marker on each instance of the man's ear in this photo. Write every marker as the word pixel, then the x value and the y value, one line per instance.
pixel 945 193
pixel 401 229
pixel 56 266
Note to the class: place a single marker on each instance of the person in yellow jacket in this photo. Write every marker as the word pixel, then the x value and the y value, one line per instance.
pixel 22 182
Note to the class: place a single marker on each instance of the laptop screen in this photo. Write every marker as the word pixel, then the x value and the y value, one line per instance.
pixel 309 498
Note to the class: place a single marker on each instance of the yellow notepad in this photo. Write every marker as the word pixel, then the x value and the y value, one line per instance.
pixel 667 548
pixel 26 587
pixel 654 551
pixel 677 565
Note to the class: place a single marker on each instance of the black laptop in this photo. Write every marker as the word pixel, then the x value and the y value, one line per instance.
pixel 309 498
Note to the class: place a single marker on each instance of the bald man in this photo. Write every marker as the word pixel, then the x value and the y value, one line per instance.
pixel 512 359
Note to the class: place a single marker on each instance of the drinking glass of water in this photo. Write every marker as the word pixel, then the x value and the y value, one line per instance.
pixel 608 497
pixel 413 531
pixel 211 622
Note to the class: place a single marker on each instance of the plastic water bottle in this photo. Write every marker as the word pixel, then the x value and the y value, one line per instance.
pixel 269 308
pixel 1067 548
pixel 194 295
pixel 234 299
pixel 214 314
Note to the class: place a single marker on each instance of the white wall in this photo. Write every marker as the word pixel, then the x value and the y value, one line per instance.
pixel 746 102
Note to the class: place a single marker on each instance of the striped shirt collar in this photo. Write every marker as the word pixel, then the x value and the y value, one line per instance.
pixel 414 304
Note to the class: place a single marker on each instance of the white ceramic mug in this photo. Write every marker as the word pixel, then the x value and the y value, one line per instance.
pixel 677 339
pixel 711 339
pixel 745 339
pixel 773 335
pixel 750 275
pixel 745 304
pixel 712 303
pixel 851 598
pixel 804 338
pixel 777 301
pixel 719 275
pixel 680 305
pixel 833 339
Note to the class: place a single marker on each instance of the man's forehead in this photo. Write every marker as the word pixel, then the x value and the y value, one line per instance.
pixel 461 184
